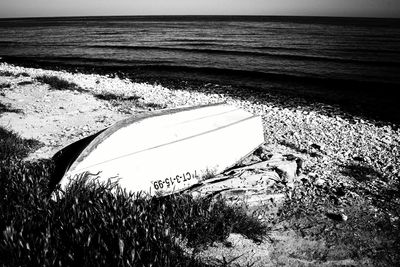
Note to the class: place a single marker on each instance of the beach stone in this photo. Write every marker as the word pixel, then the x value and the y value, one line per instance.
pixel 319 182
pixel 313 175
pixel 339 217
pixel 316 146
pixel 250 160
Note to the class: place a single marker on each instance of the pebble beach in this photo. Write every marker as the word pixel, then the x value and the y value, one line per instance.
pixel 338 139
pixel 334 147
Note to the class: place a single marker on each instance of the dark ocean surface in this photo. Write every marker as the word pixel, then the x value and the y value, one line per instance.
pixel 337 60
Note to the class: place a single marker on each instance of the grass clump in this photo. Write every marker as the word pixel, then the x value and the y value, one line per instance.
pixel 23 74
pixel 5 85
pixel 25 83
pixel 11 74
pixel 152 105
pixel 58 83
pixel 13 146
pixel 113 97
pixel 6 73
pixel 7 108
pixel 125 103
pixel 203 221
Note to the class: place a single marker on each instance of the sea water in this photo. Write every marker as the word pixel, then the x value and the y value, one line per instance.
pixel 308 56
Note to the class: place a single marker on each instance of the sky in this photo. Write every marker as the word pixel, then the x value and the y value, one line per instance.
pixel 45 8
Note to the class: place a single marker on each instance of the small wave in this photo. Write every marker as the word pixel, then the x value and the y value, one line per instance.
pixel 194 40
pixel 269 76
pixel 252 53
pixel 369 50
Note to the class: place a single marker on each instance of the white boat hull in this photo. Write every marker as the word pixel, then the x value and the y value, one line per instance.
pixel 169 151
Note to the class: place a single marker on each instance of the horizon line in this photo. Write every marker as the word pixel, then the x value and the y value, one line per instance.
pixel 193 15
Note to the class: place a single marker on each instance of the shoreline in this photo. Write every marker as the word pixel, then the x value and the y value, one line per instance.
pixel 348 100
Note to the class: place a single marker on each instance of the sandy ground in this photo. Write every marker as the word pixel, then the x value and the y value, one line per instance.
pixel 326 143
pixel 55 118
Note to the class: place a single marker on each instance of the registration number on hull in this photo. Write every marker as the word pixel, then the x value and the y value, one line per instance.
pixel 171 182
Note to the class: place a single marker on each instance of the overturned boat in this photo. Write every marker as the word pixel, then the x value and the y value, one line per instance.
pixel 165 151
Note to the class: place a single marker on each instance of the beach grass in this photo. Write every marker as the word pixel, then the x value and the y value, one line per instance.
pixel 7 108
pixel 58 83
pixel 25 83
pixel 6 73
pixel 23 74
pixel 13 146
pixel 114 97
pixel 125 103
pixel 5 85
